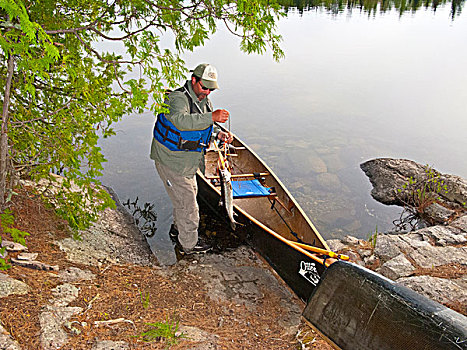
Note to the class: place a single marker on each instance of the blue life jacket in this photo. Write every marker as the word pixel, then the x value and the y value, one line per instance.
pixel 177 140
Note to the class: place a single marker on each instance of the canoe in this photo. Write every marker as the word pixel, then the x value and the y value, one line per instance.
pixel 352 307
pixel 277 226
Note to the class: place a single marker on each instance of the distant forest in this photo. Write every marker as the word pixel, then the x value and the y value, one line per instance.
pixel 371 7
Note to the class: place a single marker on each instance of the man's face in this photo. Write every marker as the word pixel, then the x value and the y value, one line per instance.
pixel 199 89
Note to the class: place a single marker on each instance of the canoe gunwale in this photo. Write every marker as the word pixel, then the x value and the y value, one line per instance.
pixel 270 173
pixel 315 257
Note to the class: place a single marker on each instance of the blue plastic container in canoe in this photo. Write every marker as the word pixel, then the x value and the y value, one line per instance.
pixel 249 188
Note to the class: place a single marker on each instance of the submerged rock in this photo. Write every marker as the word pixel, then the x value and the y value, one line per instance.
pixel 329 181
pixel 303 163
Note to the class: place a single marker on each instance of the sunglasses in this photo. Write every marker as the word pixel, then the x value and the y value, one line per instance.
pixel 204 87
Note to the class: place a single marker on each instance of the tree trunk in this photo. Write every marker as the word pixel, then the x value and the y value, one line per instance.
pixel 4 133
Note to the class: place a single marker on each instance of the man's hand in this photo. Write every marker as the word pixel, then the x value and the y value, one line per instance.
pixel 220 115
pixel 225 136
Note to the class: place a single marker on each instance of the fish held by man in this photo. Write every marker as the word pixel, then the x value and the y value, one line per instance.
pixel 227 195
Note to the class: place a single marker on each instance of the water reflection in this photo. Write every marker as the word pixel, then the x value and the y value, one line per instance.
pixel 145 216
pixel 370 6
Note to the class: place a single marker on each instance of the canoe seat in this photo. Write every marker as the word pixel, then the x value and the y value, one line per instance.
pixel 249 188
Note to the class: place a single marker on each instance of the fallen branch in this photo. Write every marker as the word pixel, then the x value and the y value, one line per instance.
pixel 112 322
pixel 32 264
pixel 90 303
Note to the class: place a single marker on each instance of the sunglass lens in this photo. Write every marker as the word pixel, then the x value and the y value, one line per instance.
pixel 205 88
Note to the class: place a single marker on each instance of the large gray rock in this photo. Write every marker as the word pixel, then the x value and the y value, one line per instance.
pixel 429 257
pixel 10 286
pixel 387 175
pixel 110 345
pixel 438 289
pixel 397 267
pixel 460 223
pixel 390 176
pixel 112 239
pixel 6 340
pixel 443 235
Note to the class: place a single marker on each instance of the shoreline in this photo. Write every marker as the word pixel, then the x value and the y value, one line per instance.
pixel 104 279
pixel 104 290
pixel 432 260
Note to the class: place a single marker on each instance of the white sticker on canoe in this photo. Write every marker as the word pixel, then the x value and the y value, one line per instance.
pixel 309 272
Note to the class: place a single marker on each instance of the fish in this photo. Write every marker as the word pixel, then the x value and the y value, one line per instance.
pixel 227 195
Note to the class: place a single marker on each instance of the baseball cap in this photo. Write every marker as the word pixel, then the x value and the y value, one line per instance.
pixel 208 75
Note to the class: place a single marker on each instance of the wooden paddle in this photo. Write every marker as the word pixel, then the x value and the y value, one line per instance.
pixel 310 248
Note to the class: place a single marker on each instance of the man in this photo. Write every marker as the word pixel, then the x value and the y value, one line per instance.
pixel 178 146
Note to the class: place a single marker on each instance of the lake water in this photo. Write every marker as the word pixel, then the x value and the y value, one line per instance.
pixel 351 88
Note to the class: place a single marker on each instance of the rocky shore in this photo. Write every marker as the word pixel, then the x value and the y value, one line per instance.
pixel 431 260
pixel 104 291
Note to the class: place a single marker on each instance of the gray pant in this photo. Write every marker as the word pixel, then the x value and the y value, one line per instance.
pixel 182 191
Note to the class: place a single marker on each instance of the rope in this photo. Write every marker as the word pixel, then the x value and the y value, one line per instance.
pixel 227 150
pixel 285 222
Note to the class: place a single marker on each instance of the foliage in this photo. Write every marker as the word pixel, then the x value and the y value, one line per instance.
pixel 163 331
pixel 3 262
pixel 417 195
pixel 372 239
pixel 7 222
pixel 144 299
pixel 61 93
pixel 74 206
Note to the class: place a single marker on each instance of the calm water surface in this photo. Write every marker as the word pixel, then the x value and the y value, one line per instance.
pixel 351 88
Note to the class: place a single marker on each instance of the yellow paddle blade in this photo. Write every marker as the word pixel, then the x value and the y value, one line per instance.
pixel 330 253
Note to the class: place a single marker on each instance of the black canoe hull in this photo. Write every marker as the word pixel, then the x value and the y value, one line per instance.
pixel 359 309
